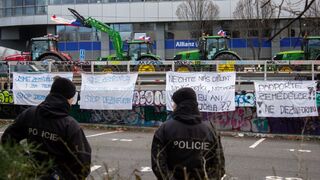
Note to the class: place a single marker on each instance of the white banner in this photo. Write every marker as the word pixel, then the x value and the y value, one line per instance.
pixel 32 89
pixel 215 91
pixel 107 91
pixel 286 98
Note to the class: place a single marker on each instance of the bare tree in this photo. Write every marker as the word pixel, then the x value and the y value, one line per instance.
pixel 200 13
pixel 297 13
pixel 254 21
pixel 311 21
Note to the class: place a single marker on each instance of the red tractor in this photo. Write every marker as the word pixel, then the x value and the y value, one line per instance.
pixel 41 49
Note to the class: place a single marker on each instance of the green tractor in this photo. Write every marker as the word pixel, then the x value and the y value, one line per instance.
pixel 139 50
pixel 209 48
pixel 310 51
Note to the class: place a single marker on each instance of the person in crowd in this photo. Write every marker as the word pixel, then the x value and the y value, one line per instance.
pixel 186 147
pixel 57 136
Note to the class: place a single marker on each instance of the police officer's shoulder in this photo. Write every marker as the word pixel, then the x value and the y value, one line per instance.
pixel 71 122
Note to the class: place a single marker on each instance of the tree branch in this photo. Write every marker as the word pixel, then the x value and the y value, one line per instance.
pixel 293 20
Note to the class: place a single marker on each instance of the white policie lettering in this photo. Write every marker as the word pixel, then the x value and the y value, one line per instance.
pixel 192 145
pixel 43 134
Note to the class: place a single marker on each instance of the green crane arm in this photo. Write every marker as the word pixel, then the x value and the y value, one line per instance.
pixel 114 35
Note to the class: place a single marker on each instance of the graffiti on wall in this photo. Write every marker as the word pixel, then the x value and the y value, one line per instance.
pixel 149 98
pixel 138 116
pixel 245 99
pixel 242 119
pixel 6 97
pixel 158 98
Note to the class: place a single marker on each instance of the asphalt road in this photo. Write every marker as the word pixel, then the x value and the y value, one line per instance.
pixel 122 153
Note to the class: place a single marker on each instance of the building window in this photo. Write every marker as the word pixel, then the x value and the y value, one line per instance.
pixel 18 11
pixel 7 3
pixel 41 10
pixel 235 34
pixel 85 34
pixel 18 2
pixel 95 1
pixel 8 12
pixel 67 2
pixel 42 2
pixel 292 33
pixel 253 33
pixel 169 35
pixel 29 2
pixel 55 1
pixel 29 10
pixel 81 1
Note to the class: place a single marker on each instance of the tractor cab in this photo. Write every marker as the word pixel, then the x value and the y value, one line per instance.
pixel 42 45
pixel 210 45
pixel 138 48
pixel 312 47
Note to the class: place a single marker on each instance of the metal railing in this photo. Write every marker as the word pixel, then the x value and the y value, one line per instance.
pixel 247 70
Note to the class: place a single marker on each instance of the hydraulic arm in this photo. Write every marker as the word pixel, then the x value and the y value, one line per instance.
pixel 114 35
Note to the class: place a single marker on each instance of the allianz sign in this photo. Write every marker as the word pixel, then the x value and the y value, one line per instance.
pixel 186 44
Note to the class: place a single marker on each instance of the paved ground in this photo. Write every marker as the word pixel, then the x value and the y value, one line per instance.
pixel 123 152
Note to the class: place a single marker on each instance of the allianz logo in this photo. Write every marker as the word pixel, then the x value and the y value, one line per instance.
pixel 186 44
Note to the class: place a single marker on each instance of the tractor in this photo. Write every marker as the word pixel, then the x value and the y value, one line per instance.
pixel 40 49
pixel 209 48
pixel 310 51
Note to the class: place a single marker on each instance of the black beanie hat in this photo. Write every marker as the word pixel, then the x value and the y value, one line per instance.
pixel 184 94
pixel 63 86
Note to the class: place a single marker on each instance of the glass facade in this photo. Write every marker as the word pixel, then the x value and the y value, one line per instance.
pixel 77 34
pixel 10 8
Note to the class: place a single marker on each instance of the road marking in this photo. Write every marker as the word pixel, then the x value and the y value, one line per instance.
pixel 110 170
pixel 282 178
pixel 95 167
pixel 124 140
pixel 303 150
pixel 1 132
pixel 145 169
pixel 100 134
pixel 300 150
pixel 257 143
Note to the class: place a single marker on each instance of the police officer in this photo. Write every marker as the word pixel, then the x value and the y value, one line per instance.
pixel 50 127
pixel 186 147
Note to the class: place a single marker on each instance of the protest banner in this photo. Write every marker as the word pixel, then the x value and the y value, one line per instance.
pixel 32 89
pixel 286 98
pixel 215 91
pixel 107 91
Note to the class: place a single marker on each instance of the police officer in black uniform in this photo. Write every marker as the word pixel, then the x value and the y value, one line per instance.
pixel 50 127
pixel 186 146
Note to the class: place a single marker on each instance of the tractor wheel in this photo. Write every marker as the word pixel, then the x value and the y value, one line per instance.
pixel 50 58
pixel 226 57
pixel 146 67
pixel 184 68
pixel 110 69
pixel 286 69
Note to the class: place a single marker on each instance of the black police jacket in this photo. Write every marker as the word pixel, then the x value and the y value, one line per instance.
pixel 185 146
pixel 50 126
